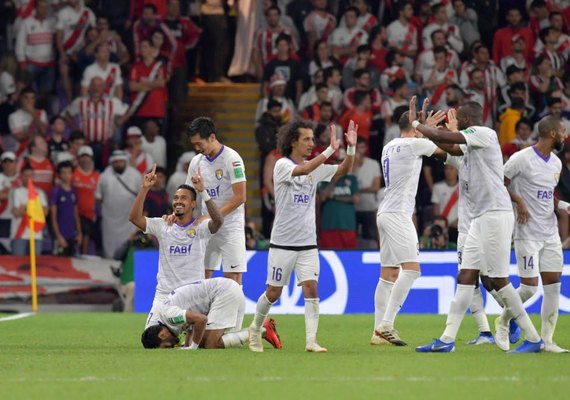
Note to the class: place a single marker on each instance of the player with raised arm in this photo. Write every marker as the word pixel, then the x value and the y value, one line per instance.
pixel 182 244
pixel 293 238
pixel 488 243
pixel 204 310
pixel 223 174
pixel 531 176
pixel 402 165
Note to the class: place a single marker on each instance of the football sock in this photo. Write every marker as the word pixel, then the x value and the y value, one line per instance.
pixel 311 319
pixel 381 297
pixel 235 339
pixel 240 314
pixel 478 311
pixel 515 308
pixel 549 310
pixel 461 301
pixel 526 292
pixel 261 310
pixel 398 296
pixel 497 298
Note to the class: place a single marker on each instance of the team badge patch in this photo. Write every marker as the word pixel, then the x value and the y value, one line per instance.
pixel 219 173
pixel 191 232
pixel 556 177
pixel 310 179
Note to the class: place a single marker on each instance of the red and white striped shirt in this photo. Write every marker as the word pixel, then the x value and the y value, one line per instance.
pixel 35 42
pixel 96 117
pixel 265 43
pixel 321 23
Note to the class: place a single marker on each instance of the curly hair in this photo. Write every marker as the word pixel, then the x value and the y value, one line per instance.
pixel 149 337
pixel 288 133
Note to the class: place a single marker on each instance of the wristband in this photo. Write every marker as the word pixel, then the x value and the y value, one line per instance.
pixel 415 124
pixel 329 151
pixel 193 346
pixel 562 205
pixel 204 195
pixel 351 150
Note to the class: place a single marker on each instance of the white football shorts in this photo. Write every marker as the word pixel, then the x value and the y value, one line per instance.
pixel 224 308
pixel 281 263
pixel 398 239
pixel 535 256
pixel 159 299
pixel 227 250
pixel 488 244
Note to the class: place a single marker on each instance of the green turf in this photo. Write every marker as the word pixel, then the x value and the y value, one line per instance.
pixel 99 356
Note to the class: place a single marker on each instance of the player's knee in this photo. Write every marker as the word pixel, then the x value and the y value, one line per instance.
pixel 390 274
pixel 310 290
pixel 468 276
pixel 549 278
pixel 273 293
pixel 486 281
pixel 499 283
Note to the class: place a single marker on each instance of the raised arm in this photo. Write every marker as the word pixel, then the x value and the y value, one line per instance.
pixel 136 216
pixel 216 216
pixel 346 165
pixel 310 166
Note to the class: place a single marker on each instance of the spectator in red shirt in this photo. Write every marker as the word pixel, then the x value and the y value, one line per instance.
pixel 145 27
pixel 523 129
pixel 312 112
pixel 378 40
pixel 147 83
pixel 43 169
pixel 361 114
pixel 502 41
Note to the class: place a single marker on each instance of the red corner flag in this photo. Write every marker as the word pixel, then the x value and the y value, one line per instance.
pixel 34 208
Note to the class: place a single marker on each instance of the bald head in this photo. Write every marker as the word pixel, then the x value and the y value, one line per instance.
pixel 548 125
pixel 470 114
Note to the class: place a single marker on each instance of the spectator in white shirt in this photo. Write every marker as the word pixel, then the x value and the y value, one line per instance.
pixel 153 143
pixel 108 71
pixel 440 16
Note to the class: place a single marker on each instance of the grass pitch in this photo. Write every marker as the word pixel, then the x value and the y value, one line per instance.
pixel 99 356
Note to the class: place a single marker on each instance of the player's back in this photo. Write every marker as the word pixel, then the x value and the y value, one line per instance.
pixel 482 173
pixel 534 178
pixel 401 166
pixel 198 296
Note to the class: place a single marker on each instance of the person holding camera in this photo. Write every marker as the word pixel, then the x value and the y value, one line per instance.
pixel 436 236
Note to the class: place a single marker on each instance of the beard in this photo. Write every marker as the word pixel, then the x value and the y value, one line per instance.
pixel 558 146
pixel 119 170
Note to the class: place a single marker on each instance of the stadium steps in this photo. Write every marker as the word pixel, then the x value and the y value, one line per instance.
pixel 232 106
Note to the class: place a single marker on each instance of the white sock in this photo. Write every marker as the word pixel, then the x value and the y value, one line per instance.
pixel 526 292
pixel 240 314
pixel 311 319
pixel 398 296
pixel 261 311
pixel 235 339
pixel 515 308
pixel 381 297
pixel 478 311
pixel 461 301
pixel 549 310
pixel 497 298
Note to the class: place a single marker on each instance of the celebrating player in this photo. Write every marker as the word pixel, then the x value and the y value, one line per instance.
pixel 402 165
pixel 531 176
pixel 224 180
pixel 489 237
pixel 182 244
pixel 293 238
pixel 203 310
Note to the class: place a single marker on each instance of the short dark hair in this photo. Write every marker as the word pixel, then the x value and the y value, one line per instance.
pixel 547 125
pixel 55 118
pixel 544 32
pixel 440 49
pixel 189 188
pixel 398 111
pixel 325 104
pixel 64 164
pixel 553 100
pixel 320 86
pixel 359 72
pixel 353 9
pixel 288 133
pixel 202 126
pixel 283 37
pixel 75 135
pixel 397 84
pixel 272 103
pixel 150 6
pixel 473 110
pixel 363 48
pixel 404 122
pixel 359 96
pixel 401 5
pixel 273 7
pixel 328 72
pixel 435 8
pixel 523 121
pixel 517 86
pixel 538 4
pixel 436 32
pixel 150 339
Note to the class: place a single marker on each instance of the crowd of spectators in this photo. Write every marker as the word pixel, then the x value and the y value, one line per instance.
pixel 92 85
pixel 361 60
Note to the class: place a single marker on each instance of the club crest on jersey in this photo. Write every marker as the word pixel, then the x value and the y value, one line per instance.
pixel 310 179
pixel 219 173
pixel 191 232
pixel 556 177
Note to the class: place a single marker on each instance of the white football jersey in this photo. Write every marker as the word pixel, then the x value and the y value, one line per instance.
pixel 481 173
pixel 462 214
pixel 400 36
pixel 294 223
pixel 534 178
pixel 181 252
pixel 196 297
pixel 401 166
pixel 219 174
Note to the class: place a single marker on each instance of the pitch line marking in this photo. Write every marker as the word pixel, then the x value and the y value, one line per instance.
pixel 15 317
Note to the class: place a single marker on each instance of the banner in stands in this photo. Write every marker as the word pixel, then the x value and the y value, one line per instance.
pixel 54 275
pixel 347 283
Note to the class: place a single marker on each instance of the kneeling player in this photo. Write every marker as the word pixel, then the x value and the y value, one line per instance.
pixel 204 310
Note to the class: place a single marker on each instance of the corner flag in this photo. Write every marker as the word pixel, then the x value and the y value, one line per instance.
pixel 34 208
